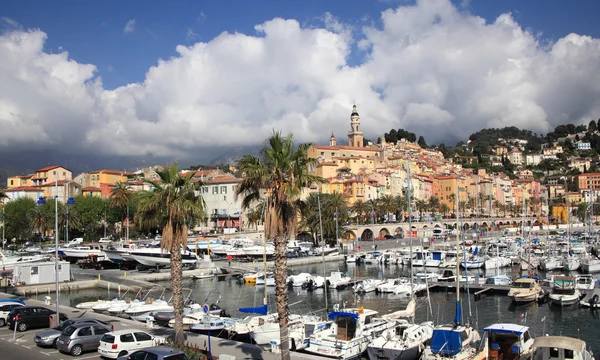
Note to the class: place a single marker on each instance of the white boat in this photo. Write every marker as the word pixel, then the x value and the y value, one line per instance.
pixel 405 341
pixel 505 341
pixel 105 303
pixel 269 279
pixel 313 282
pixel 472 279
pixel 447 276
pixel 404 288
pixel 298 280
pixel 496 262
pixel 141 310
pixel 564 291
pixel 552 263
pixel 229 245
pixel 249 323
pixel 590 265
pixel 452 342
pixel 450 260
pixel 560 348
pixel 367 286
pixel 435 259
pixel 338 280
pixel 349 335
pixel 390 258
pixel 387 286
pixel 83 252
pixel 214 325
pixel 299 328
pixel 351 259
pixel 157 257
pixel 585 282
pixel 572 263
pixel 420 258
pixel 499 280
pixel 473 263
pixel 7 263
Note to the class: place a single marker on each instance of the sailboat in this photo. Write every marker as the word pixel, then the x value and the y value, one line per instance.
pixel 456 341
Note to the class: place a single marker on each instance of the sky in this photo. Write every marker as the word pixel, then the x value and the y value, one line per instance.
pixel 191 80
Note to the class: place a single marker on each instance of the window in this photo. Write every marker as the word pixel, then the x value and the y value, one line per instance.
pixel 12 182
pixel 554 353
pixel 322 153
pixel 142 336
pixel 223 189
pixel 568 354
pixel 215 190
pixel 86 331
pixel 127 338
pixel 141 355
pixel 234 188
pixel 99 330
pixel 34 270
pixel 224 197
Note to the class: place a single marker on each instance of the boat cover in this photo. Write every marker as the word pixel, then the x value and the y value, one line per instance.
pixel 446 342
pixel 262 310
pixel 335 314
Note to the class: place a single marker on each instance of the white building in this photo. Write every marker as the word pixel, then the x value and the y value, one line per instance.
pixel 515 157
pixel 533 159
pixel 224 210
pixel 584 146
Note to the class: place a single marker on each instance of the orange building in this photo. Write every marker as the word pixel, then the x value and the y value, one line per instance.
pixel 589 181
pixel 444 187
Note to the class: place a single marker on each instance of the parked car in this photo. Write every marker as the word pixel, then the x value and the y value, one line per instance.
pixel 156 353
pixel 29 317
pixel 105 240
pixel 49 337
pixel 5 308
pixel 81 337
pixel 123 342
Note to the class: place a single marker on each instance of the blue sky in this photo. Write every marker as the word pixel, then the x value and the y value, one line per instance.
pixel 93 31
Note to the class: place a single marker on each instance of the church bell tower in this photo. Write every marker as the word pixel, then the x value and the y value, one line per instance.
pixel 355 135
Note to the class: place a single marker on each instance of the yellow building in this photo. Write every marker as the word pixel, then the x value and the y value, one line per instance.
pixel 50 174
pixel 559 212
pixel 574 198
pixel 18 181
pixel 444 187
pixel 109 177
pixel 352 189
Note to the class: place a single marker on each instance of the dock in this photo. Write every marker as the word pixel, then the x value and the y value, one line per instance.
pixel 478 290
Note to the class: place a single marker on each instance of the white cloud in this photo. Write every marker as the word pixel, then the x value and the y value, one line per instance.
pixel 430 68
pixel 129 26
pixel 190 34
pixel 11 23
pixel 201 17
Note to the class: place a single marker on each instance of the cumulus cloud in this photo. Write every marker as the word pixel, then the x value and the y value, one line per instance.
pixel 429 67
pixel 129 26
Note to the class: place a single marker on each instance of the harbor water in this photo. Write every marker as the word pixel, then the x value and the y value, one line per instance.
pixel 543 319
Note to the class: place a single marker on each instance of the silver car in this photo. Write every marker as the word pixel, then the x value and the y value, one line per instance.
pixel 49 337
pixel 81 337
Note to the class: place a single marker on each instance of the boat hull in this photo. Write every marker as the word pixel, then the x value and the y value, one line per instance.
pixel 394 354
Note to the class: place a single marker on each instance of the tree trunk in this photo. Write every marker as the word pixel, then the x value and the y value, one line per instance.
pixel 176 268
pixel 281 295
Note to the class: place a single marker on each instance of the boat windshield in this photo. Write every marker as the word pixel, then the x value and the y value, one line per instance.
pixel 346 328
pixel 523 285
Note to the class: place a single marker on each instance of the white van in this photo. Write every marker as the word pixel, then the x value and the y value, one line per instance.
pixel 6 306
pixel 76 241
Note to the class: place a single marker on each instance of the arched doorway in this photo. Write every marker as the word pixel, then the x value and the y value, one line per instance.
pixel 367 235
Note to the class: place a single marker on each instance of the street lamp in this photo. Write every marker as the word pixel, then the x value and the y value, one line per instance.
pixel 3 226
pixel 70 201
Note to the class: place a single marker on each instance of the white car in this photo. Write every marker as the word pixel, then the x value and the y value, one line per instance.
pixel 6 306
pixel 105 241
pixel 122 342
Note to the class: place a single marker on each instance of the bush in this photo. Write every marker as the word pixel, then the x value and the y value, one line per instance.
pixel 192 351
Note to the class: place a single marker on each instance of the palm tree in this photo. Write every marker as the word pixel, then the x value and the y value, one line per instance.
pixel 282 170
pixel 255 215
pixel 497 206
pixel 359 208
pixel 388 204
pixel 372 209
pixel 3 194
pixel 444 209
pixel 434 204
pixel 309 214
pixel 172 202
pixel 120 197
pixel 421 206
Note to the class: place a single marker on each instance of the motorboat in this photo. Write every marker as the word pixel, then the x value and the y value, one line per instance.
pixel 298 325
pixel 241 330
pixel 564 291
pixel 351 259
pixel 298 280
pixel 591 300
pixel 572 263
pixel 387 286
pixel 496 262
pixel 450 260
pixel 585 282
pixel 447 276
pixel 474 263
pixel 390 258
pixel 435 259
pixel 350 333
pixel 269 280
pixel 338 280
pixel 552 263
pixel 499 280
pixel 472 279
pixel 251 278
pixel 313 282
pixel 367 286
pixel 229 245
pixel 505 341
pixel 75 253
pixel 245 248
pixel 213 325
pixel 420 258
pixel 7 263
pixel 525 290
pixel 590 265
pixel 405 341
pixel 158 257
pixel 560 348
pixel 105 303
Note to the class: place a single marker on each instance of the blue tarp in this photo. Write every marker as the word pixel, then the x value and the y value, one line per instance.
pixel 446 342
pixel 335 314
pixel 436 255
pixel 476 250
pixel 256 310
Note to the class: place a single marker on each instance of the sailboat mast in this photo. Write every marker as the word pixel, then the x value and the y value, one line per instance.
pixel 265 270
pixel 457 315
pixel 408 195
pixel 323 252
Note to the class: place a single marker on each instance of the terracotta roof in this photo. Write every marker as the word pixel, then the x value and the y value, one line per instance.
pixel 48 168
pixel 344 147
pixel 23 188
pixel 108 171
pixel 223 179
pixel 60 183
pixel 91 188
pixel 327 163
